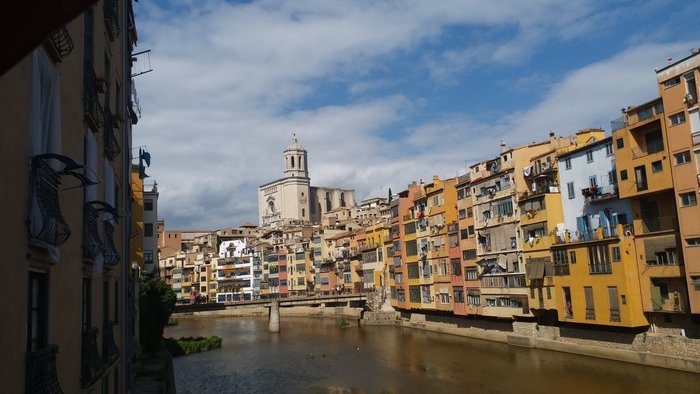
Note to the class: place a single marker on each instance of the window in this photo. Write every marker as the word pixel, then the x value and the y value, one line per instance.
pixel 688 199
pixel 37 316
pixel 470 273
pixel 470 212
pixel 444 296
pixel 570 190
pixel 413 272
pixel 462 213
pixel 411 248
pixel 469 254
pixel 623 175
pixel 148 204
pixel 568 307
pixel 456 266
pixel 614 304
pixel 693 241
pixel 590 307
pixel 615 253
pixel 470 230
pixel 690 87
pixel 589 156
pixel 464 234
pixel 656 166
pixel 572 257
pixel 549 293
pixel 677 118
pixel 672 82
pixel 473 298
pixel 442 267
pixel 409 228
pixel 414 294
pixel 599 260
pixel 148 230
pixel 640 175
pixel 620 143
pixel 458 294
pixel 592 181
pixel 608 149
pixel 611 177
pixel 682 158
pixel 567 163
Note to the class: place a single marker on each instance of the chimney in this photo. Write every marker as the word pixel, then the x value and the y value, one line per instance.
pixel 552 138
pixel 503 146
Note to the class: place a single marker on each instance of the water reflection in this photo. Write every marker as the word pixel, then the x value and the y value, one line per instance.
pixel 316 356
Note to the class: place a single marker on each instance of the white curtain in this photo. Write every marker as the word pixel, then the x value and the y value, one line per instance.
pixel 44 126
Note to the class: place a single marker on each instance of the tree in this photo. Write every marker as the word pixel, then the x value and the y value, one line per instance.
pixel 390 195
pixel 156 302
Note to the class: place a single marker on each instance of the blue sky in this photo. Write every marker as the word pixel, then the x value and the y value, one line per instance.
pixel 379 92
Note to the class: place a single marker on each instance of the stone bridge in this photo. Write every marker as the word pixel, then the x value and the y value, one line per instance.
pixel 357 300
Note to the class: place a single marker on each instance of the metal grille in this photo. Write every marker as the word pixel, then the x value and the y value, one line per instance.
pixel 45 182
pixel 110 351
pixel 110 250
pixel 92 365
pixel 41 374
pixel 91 101
pixel 62 42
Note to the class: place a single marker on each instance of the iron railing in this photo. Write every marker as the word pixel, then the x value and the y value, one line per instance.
pixel 110 351
pixel 644 150
pixel 590 313
pixel 62 42
pixel 45 220
pixel 111 254
pixel 561 269
pixel 94 114
pixel 615 315
pixel 660 223
pixel 112 145
pixel 92 244
pixel 111 16
pixel 619 123
pixel 41 374
pixel 91 365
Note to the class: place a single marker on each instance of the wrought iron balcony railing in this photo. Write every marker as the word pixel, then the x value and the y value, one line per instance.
pixel 111 254
pixel 45 221
pixel 61 43
pixel 91 365
pixel 93 245
pixel 110 351
pixel 112 137
pixel 94 115
pixel 619 123
pixel 111 16
pixel 41 374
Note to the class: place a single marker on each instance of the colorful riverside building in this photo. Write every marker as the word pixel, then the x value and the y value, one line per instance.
pixel 643 164
pixel 441 210
pixel 466 289
pixel 593 265
pixel 69 325
pixel 374 268
pixel 678 88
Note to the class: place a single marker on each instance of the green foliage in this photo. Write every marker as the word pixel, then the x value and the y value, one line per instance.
pixel 344 323
pixel 156 303
pixel 189 345
pixel 173 322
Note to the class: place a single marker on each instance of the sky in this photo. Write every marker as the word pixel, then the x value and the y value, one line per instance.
pixel 380 93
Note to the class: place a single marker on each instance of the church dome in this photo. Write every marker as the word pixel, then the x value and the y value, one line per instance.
pixel 294 145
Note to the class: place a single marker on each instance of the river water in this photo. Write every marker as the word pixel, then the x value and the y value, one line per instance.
pixel 314 355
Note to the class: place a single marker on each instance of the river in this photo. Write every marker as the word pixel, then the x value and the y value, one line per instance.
pixel 314 355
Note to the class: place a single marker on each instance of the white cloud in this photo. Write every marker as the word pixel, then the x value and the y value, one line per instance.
pixel 233 81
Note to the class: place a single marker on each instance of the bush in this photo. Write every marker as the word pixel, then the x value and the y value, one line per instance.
pixel 156 304
pixel 189 345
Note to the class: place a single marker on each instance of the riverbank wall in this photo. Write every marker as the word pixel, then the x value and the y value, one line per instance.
pixel 653 349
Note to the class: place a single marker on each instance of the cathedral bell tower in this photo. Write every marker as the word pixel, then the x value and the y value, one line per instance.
pixel 295 164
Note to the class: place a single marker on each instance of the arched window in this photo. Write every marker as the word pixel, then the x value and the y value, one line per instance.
pixel 342 199
pixel 328 202
pixel 292 161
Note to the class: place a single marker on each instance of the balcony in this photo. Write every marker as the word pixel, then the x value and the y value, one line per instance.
pixel 596 193
pixel 656 224
pixel 94 114
pixel 111 16
pixel 561 269
pixel 619 123
pixel 93 246
pixel 671 302
pixel 651 147
pixel 45 221
pixel 41 374
pixel 110 351
pixel 111 254
pixel 61 44
pixel 91 364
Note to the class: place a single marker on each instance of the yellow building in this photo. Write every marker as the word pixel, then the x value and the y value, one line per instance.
pixel 466 293
pixel 678 88
pixel 66 156
pixel 645 179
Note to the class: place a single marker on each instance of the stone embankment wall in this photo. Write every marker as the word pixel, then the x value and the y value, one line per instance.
pixel 654 349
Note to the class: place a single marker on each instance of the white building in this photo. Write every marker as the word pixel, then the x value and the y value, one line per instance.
pixel 238 271
pixel 589 195
pixel 292 199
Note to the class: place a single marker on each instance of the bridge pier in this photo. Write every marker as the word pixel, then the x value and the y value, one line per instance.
pixel 274 319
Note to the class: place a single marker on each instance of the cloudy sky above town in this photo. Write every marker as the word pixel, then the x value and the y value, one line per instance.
pixel 380 93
